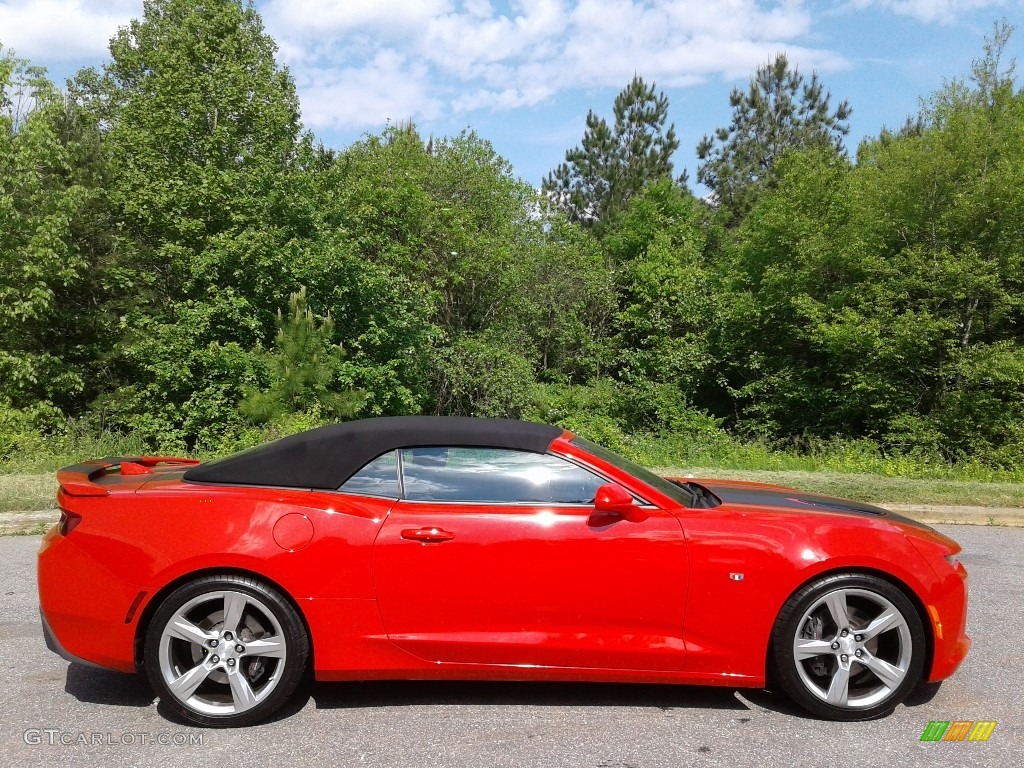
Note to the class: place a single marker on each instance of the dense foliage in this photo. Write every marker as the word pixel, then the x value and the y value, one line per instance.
pixel 181 263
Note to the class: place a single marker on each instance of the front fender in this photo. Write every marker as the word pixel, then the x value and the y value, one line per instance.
pixel 745 565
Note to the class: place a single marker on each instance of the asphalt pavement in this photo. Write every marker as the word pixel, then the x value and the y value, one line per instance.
pixel 66 715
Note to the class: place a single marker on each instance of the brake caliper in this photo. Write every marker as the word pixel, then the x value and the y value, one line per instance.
pixel 813 630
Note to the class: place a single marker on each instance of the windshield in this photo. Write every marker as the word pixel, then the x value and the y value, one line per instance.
pixel 677 493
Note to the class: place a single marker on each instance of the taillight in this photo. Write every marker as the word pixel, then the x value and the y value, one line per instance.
pixel 68 522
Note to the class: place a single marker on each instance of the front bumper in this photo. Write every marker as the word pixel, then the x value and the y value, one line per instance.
pixel 948 613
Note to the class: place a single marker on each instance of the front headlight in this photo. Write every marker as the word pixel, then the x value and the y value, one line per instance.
pixel 953 559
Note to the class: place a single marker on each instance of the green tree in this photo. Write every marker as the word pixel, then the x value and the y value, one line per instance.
pixel 44 270
pixel 614 162
pixel 479 375
pixel 778 112
pixel 561 298
pixel 203 126
pixel 666 305
pixel 437 261
pixel 884 300
pixel 665 297
pixel 303 370
pixel 207 168
pixel 946 209
pixel 787 266
pixel 410 243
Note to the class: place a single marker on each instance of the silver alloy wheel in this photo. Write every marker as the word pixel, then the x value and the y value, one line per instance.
pixel 222 652
pixel 852 648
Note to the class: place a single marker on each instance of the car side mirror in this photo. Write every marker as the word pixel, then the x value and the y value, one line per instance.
pixel 616 500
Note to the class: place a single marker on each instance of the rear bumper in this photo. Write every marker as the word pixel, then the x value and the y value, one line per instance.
pixel 84 607
pixel 54 645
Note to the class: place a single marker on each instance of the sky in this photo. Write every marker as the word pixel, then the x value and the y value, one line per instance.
pixel 524 73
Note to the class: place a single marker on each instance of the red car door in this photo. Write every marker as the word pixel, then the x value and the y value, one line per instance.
pixel 527 573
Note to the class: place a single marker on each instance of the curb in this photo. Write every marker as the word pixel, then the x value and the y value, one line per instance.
pixel 23 523
pixel 937 514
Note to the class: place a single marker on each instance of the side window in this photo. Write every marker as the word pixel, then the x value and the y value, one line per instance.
pixel 378 478
pixel 496 476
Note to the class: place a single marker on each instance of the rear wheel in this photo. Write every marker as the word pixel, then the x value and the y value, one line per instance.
pixel 848 647
pixel 225 650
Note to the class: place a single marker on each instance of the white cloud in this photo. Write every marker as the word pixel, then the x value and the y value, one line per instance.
pixel 323 18
pixel 389 88
pixel 930 11
pixel 358 63
pixel 63 30
pixel 465 55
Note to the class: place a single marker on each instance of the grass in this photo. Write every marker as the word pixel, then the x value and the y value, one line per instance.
pixel 24 492
pixel 851 469
pixel 37 455
pixel 839 457
pixel 37 530
pixel 27 492
pixel 876 489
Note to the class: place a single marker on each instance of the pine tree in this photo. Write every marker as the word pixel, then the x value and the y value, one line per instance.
pixel 303 369
pixel 614 162
pixel 779 111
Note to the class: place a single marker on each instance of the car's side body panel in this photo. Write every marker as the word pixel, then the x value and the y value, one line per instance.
pixel 532 592
pixel 538 585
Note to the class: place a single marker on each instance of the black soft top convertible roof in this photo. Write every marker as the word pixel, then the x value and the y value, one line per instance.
pixel 326 457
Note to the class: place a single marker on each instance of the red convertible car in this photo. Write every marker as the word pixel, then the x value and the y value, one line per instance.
pixel 452 548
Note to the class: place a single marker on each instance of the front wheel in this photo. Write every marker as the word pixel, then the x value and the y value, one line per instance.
pixel 848 647
pixel 225 650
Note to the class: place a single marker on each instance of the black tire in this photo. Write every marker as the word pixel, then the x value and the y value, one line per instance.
pixel 211 674
pixel 879 659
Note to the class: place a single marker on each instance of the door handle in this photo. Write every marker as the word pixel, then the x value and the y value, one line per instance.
pixel 427 535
